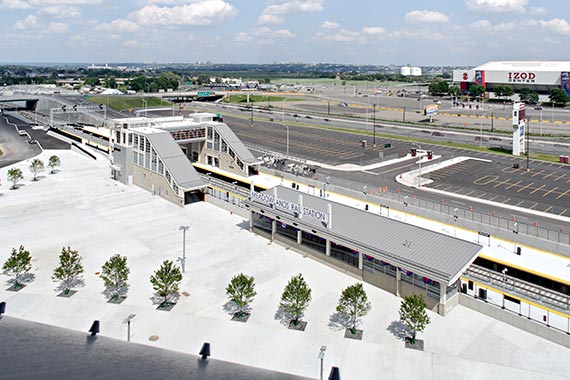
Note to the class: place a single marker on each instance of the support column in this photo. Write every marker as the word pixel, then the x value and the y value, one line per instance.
pixel 299 236
pixel 273 229
pixel 360 258
pixel 442 294
pixel 398 280
pixel 250 221
pixel 328 247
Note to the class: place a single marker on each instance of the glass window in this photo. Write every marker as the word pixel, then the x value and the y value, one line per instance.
pixel 231 153
pixel 209 145
pixel 160 166
pixel 224 147
pixel 136 141
pixel 210 133
pixel 216 141
pixel 240 164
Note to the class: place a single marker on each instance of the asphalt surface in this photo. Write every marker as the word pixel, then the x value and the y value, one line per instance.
pixel 544 188
pixel 15 148
pixel 36 351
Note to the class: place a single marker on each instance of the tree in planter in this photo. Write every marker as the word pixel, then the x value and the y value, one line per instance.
pixel 15 175
pixel 115 274
pixel 558 97
pixel 166 280
pixel 296 298
pixel 53 162
pixel 69 269
pixel 353 304
pixel 36 167
pixel 241 291
pixel 19 262
pixel 413 314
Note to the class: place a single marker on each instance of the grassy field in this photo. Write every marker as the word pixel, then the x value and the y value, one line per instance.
pixel 122 102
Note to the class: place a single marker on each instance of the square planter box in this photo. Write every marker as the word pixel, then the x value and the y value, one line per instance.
pixel 243 317
pixel 68 294
pixel 419 345
pixel 117 300
pixel 357 334
pixel 166 306
pixel 299 326
pixel 13 288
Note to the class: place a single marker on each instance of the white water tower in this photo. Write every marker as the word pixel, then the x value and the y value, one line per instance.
pixel 405 71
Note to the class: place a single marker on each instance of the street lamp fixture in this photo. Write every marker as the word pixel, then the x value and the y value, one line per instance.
pixel 321 357
pixel 183 260
pixel 128 322
pixel 419 163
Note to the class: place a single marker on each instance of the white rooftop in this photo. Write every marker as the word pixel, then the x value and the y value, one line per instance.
pixel 556 66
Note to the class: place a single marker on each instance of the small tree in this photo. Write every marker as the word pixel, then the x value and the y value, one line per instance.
pixel 476 91
pixel 15 175
pixel 241 291
pixel 69 269
pixel 166 280
pixel 18 263
pixel 36 166
pixel 296 297
pixel 54 162
pixel 115 274
pixel 413 314
pixel 528 96
pixel 558 97
pixel 353 304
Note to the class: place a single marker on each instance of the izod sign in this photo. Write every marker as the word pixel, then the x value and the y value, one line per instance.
pixel 521 77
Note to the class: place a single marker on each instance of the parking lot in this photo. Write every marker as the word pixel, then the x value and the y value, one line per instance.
pixel 546 187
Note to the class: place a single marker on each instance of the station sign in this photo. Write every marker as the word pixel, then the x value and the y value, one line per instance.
pixel 204 93
pixel 519 124
pixel 285 205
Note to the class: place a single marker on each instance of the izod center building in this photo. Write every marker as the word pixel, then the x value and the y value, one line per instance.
pixel 540 76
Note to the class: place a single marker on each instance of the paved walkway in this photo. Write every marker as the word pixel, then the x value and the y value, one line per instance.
pixel 82 207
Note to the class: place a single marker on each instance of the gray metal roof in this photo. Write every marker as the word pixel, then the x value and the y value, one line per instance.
pixel 435 255
pixel 175 161
pixel 235 143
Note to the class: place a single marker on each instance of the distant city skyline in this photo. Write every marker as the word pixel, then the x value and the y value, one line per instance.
pixel 446 32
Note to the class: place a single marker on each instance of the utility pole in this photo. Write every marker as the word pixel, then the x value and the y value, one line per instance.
pixel 404 115
pixel 527 144
pixel 374 125
pixel 329 107
pixel 251 121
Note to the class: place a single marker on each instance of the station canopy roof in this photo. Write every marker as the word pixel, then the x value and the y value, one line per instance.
pixel 434 255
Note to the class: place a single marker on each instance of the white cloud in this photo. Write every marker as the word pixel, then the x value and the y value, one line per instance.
pixel 374 31
pixel 538 11
pixel 426 17
pixel 330 25
pixel 56 28
pixel 131 43
pixel 275 13
pixel 14 4
pixel 199 13
pixel 119 25
pixel 61 12
pixel 269 33
pixel 29 22
pixel 556 25
pixel 485 26
pixel 496 6
pixel 242 37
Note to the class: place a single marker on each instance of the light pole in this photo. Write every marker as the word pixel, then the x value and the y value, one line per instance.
pixel 374 125
pixel 183 260
pixel 455 217
pixel 322 356
pixel 327 178
pixel 481 129
pixel 420 164
pixel 145 106
pixel 287 126
pixel 128 322
pixel 405 208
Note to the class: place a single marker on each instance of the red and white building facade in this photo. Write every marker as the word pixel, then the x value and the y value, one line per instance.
pixel 540 76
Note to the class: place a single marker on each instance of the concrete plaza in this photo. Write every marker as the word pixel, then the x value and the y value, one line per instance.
pixel 82 207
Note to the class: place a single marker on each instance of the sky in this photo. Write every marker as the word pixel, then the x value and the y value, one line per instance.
pixel 376 32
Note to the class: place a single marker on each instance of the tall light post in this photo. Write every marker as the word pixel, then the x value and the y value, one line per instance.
pixel 183 260
pixel 419 163
pixel 145 104
pixel 374 125
pixel 128 322
pixel 405 208
pixel 481 129
pixel 455 217
pixel 321 357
